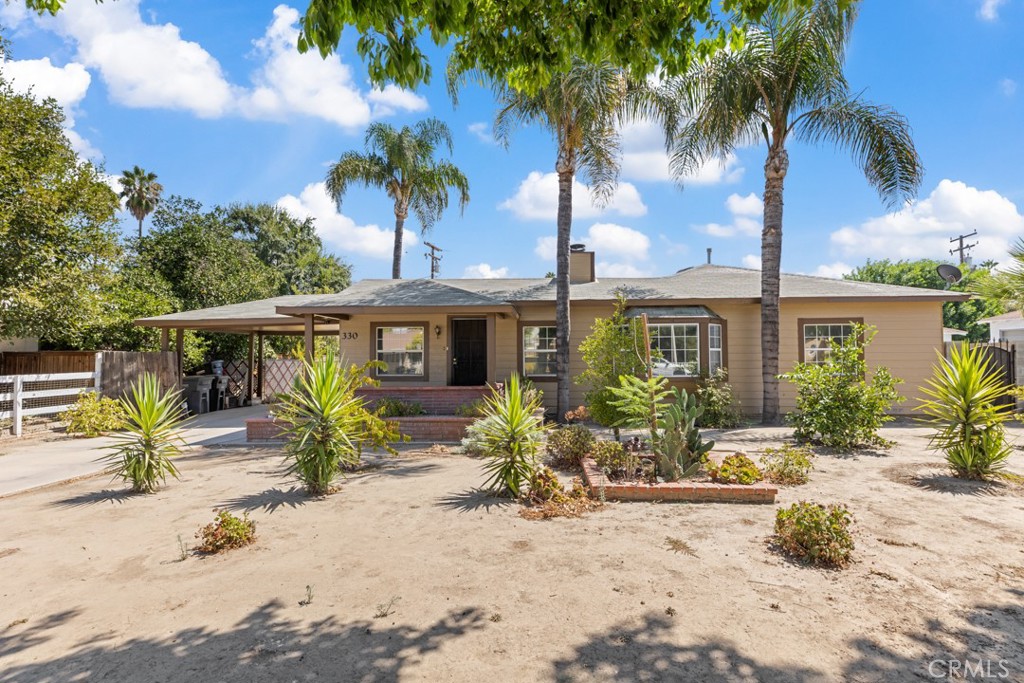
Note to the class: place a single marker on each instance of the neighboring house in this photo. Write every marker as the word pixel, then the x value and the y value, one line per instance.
pixel 951 334
pixel 1008 327
pixel 464 332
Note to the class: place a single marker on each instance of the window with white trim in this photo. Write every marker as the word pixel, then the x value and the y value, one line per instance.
pixel 819 338
pixel 539 350
pixel 714 347
pixel 401 351
pixel 679 348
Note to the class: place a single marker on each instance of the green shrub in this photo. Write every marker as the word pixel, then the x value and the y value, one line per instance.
pixel 226 532
pixel 475 408
pixel 568 446
pixel 328 426
pixel 510 435
pixel 735 469
pixel 615 460
pixel 787 465
pixel 396 407
pixel 475 442
pixel 817 534
pixel 92 414
pixel 836 404
pixel 715 397
pixel 962 405
pixel 678 444
pixel 142 452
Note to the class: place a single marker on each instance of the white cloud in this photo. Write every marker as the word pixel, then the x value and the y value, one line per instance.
pixel 644 158
pixel 746 218
pixel 66 84
pixel 605 269
pixel 1008 87
pixel 339 230
pixel 923 229
pixel 485 271
pixel 752 261
pixel 547 248
pixel 988 10
pixel 620 251
pixel 833 270
pixel 482 131
pixel 150 65
pixel 537 199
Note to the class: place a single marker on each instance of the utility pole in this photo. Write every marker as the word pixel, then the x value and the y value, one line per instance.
pixel 435 259
pixel 962 248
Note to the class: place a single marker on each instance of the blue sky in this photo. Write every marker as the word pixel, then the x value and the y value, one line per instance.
pixel 214 99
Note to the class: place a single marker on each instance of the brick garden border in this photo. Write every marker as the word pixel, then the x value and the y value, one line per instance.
pixel 677 491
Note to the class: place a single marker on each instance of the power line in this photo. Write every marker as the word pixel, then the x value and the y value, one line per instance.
pixel 435 259
pixel 962 248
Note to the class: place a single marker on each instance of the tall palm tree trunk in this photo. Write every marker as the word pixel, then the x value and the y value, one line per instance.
pixel 771 258
pixel 562 288
pixel 396 261
pixel 140 228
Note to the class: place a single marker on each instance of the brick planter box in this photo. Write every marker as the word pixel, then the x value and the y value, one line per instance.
pixel 429 428
pixel 677 491
pixel 434 400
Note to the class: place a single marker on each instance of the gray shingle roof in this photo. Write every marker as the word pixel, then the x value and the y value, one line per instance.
pixel 263 309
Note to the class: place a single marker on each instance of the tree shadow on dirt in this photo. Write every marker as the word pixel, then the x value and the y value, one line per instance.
pixel 472 500
pixel 16 637
pixel 265 646
pixel 270 501
pixel 648 652
pixel 993 633
pixel 112 496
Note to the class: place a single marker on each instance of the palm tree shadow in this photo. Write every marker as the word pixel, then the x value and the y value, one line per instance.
pixel 947 483
pixel 471 500
pixel 271 500
pixel 112 496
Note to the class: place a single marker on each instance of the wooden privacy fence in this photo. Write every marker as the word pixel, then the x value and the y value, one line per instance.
pixel 119 369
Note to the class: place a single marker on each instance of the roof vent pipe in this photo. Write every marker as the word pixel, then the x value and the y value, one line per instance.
pixel 709 256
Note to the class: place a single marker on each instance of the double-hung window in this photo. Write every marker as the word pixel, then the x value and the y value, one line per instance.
pixel 679 347
pixel 539 350
pixel 401 350
pixel 714 347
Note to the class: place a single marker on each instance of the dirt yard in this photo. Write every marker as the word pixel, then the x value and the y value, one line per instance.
pixel 92 587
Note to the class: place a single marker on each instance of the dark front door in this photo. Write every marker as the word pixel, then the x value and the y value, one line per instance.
pixel 469 352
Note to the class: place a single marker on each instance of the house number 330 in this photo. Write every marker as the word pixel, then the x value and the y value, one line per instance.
pixel 350 335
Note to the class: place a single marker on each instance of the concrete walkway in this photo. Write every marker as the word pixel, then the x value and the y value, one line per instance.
pixel 31 462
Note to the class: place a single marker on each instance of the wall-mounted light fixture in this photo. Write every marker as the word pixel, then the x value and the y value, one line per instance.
pixel 437 331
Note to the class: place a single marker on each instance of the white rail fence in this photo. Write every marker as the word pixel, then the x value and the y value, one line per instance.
pixel 22 396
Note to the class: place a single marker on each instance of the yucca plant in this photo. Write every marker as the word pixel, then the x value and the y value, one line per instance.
pixel 327 425
pixel 511 433
pixel 150 436
pixel 963 405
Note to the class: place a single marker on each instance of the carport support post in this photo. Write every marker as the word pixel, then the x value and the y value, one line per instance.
pixel 308 337
pixel 250 368
pixel 179 347
pixel 259 362
pixel 165 339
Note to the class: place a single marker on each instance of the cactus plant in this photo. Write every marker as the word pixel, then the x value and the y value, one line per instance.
pixel 680 449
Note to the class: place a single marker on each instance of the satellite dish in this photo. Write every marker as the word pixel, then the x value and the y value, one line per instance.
pixel 950 274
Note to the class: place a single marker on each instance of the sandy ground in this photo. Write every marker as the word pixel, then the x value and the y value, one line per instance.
pixel 91 586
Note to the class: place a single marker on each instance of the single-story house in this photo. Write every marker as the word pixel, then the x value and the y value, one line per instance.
pixel 1008 327
pixel 467 332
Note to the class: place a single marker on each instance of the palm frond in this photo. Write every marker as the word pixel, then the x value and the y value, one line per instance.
pixel 368 169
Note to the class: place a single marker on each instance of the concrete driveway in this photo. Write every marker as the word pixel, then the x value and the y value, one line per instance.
pixel 31 462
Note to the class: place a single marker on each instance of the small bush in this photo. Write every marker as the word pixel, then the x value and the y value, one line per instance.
pixel 837 405
pixel 477 408
pixel 735 469
pixel 226 532
pixel 615 460
pixel 568 446
pixel 787 465
pixel 715 396
pixel 547 497
pixel 578 414
pixel 92 415
pixel 396 407
pixel 817 534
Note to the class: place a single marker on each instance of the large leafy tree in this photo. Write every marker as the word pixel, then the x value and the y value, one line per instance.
pixel 402 163
pixel 580 108
pixel 960 315
pixel 290 246
pixel 786 83
pixel 57 221
pixel 523 42
pixel 141 193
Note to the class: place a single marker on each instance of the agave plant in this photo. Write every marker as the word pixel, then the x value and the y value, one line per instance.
pixel 962 404
pixel 511 433
pixel 150 437
pixel 680 448
pixel 327 425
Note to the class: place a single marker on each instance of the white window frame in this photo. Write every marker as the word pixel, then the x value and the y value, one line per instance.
pixel 378 351
pixel 823 351
pixel 675 352
pixel 714 364
pixel 538 351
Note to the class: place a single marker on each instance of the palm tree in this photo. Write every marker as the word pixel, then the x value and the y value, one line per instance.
pixel 401 162
pixel 581 109
pixel 787 81
pixel 141 192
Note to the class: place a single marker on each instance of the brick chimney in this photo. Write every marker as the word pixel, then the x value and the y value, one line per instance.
pixel 581 264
